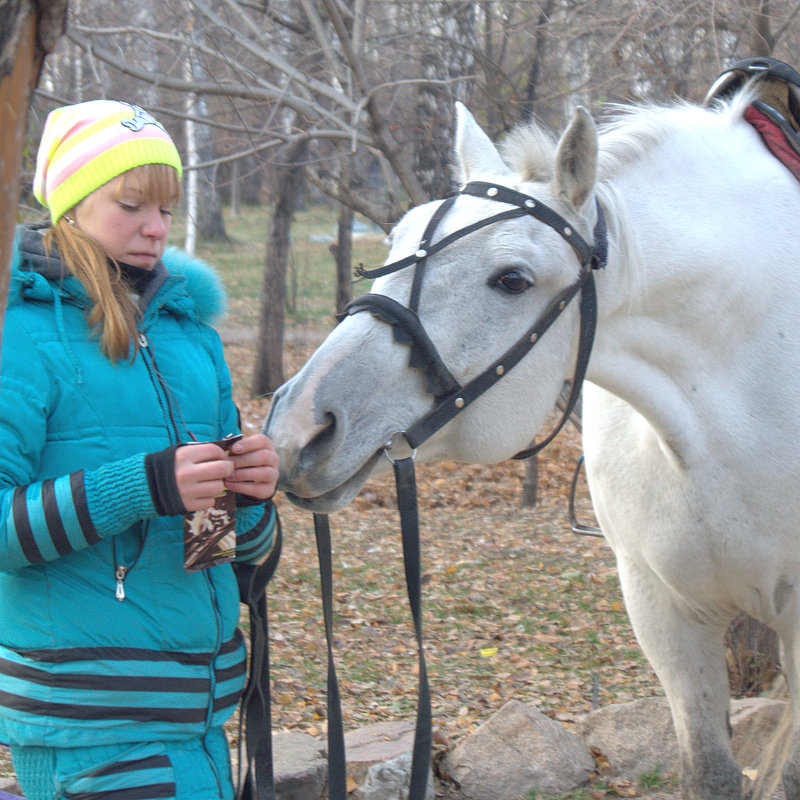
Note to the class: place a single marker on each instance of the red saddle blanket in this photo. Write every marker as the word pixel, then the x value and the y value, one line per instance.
pixel 775 140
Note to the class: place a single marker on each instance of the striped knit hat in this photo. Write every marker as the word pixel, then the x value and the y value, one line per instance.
pixel 86 145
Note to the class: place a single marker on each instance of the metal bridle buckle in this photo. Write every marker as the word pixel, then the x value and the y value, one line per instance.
pixel 391 443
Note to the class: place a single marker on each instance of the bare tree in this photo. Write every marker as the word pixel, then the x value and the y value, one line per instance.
pixel 372 83
pixel 28 32
pixel 381 77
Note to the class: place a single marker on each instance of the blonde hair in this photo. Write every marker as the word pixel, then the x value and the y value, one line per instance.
pixel 114 313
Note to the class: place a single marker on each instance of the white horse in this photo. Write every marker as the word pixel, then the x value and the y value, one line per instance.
pixel 691 417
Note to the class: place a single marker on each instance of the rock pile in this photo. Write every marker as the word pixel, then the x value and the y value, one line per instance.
pixel 518 751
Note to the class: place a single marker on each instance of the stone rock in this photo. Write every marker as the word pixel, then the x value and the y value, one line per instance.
pixel 379 761
pixel 755 721
pixel 639 737
pixel 390 780
pixel 516 750
pixel 636 737
pixel 301 766
pixel 375 744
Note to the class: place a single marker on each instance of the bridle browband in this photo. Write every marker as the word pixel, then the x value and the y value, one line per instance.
pixel 451 397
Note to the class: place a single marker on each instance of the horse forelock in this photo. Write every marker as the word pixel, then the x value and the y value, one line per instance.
pixel 529 150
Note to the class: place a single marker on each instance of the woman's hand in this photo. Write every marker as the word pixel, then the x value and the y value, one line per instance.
pixel 255 467
pixel 200 472
pixel 203 471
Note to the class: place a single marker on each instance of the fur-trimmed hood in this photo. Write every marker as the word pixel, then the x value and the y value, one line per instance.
pixel 184 285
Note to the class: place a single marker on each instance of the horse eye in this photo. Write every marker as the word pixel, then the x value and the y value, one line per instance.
pixel 512 282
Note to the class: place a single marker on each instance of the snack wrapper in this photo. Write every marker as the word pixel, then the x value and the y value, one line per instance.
pixel 209 536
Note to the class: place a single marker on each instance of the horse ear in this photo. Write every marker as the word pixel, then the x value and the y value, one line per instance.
pixel 576 160
pixel 474 150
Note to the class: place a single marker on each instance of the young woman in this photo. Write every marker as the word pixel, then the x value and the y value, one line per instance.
pixel 119 663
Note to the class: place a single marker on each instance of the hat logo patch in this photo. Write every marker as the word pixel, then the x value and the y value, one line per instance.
pixel 140 119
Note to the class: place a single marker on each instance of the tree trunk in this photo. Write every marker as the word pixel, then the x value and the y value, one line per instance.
pixel 753 656
pixel 342 251
pixel 530 483
pixel 190 180
pixel 268 370
pixel 433 114
pixel 28 31
pixel 531 91
pixel 210 222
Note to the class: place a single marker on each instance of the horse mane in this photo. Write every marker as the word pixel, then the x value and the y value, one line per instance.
pixel 630 133
pixel 627 133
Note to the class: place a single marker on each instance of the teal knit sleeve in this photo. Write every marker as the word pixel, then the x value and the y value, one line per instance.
pixel 118 495
pixel 49 519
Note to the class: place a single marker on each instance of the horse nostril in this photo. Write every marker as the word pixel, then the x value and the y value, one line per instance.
pixel 322 441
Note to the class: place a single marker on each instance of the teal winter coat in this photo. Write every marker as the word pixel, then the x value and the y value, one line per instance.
pixel 78 666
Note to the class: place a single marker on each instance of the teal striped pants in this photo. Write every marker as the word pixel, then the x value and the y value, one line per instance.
pixel 185 769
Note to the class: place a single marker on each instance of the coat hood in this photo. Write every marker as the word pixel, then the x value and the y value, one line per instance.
pixel 184 285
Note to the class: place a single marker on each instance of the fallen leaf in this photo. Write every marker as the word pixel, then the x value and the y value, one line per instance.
pixel 624 788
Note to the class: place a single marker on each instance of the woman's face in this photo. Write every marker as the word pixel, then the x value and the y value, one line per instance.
pixel 131 227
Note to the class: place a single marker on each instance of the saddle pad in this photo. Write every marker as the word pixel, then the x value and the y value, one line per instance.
pixel 774 139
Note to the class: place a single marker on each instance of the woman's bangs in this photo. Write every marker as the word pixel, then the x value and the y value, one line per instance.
pixel 157 183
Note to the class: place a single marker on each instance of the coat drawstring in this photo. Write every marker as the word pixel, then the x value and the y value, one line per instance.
pixel 59 314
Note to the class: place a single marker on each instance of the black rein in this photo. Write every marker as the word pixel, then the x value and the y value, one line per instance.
pixel 451 397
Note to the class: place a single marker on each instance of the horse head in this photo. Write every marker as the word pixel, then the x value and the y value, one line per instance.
pixel 465 279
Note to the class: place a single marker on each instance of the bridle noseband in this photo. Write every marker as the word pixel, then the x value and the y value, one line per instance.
pixel 451 397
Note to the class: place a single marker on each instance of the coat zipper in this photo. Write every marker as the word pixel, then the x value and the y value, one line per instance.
pixel 160 388
pixel 122 570
pixel 119 573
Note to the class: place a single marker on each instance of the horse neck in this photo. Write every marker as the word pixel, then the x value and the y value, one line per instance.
pixel 692 267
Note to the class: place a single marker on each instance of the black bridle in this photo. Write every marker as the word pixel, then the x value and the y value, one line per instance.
pixel 450 398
